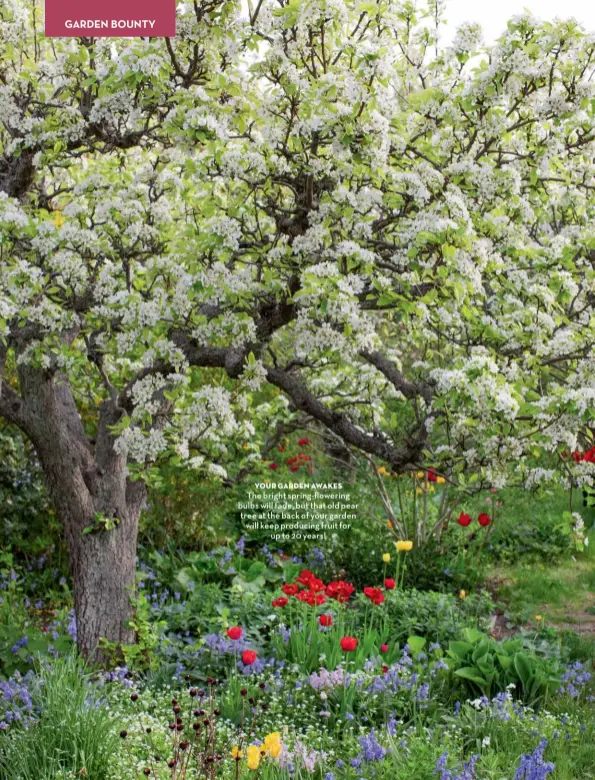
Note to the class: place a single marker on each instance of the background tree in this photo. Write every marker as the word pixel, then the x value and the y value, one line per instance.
pixel 397 242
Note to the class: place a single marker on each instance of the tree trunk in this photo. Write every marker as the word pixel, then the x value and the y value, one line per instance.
pixel 97 504
pixel 103 566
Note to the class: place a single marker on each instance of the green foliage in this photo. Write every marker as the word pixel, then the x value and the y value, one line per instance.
pixel 27 521
pixel 437 616
pixel 182 509
pixel 509 734
pixel 21 635
pixel 140 655
pixel 576 647
pixel 488 667
pixel 73 733
pixel 530 527
pixel 101 523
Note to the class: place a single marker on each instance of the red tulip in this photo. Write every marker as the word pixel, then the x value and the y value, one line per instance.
pixel 235 632
pixel 375 595
pixel 280 602
pixel 311 597
pixel 464 520
pixel 384 648
pixel 249 657
pixel 303 442
pixel 273 466
pixel 385 670
pixel 432 476
pixel 339 590
pixel 317 585
pixel 326 620
pixel 389 583
pixel 484 519
pixel 306 577
pixel 290 590
pixel 311 581
pixel 348 643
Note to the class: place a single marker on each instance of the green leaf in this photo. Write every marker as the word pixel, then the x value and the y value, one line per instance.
pixel 505 661
pixel 524 668
pixel 471 673
pixel 185 576
pixel 416 643
pixel 255 586
pixel 459 649
pixel 256 570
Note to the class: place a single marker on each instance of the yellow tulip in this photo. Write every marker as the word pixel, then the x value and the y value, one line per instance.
pixel 246 446
pixel 272 744
pixel 538 618
pixel 462 594
pixel 420 474
pixel 418 491
pixel 440 480
pixel 236 752
pixel 386 557
pixel 253 754
pixel 383 472
pixel 403 546
pixel 275 750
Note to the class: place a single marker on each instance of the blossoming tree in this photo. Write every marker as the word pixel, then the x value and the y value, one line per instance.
pixel 309 197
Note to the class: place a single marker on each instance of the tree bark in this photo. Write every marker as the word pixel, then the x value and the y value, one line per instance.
pixel 103 566
pixel 97 504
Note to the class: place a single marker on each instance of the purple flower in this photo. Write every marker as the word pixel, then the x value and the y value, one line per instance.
pixel 532 766
pixel 240 545
pixel 256 668
pixel 316 557
pixel 21 643
pixel 268 555
pixel 371 749
pixel 71 628
pixel 285 633
pixel 423 692
pixel 466 772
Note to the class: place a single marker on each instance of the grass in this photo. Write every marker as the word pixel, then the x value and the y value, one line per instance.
pixel 74 733
pixel 563 596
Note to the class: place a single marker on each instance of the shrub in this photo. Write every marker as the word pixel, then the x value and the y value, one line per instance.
pixel 438 617
pixel 488 667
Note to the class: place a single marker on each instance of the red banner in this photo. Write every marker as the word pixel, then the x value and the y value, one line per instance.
pixel 110 18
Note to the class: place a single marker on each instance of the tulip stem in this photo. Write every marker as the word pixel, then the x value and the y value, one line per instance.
pixel 403 516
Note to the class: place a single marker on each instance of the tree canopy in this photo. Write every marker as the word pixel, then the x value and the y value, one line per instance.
pixel 305 208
